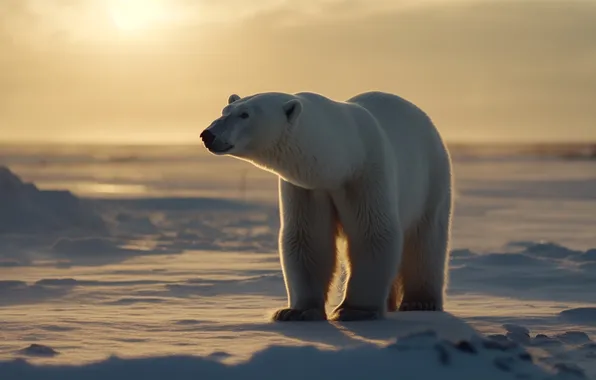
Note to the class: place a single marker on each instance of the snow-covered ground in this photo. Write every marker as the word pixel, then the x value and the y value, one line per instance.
pixel 162 263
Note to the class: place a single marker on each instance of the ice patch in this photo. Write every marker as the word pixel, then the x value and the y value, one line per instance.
pixel 509 259
pixel 19 292
pixel 136 300
pixel 188 322
pixel 573 337
pixel 545 249
pixel 583 315
pixel 70 282
pixel 545 189
pixel 180 204
pixel 527 270
pixel 99 251
pixel 265 284
pixel 38 350
pixel 517 333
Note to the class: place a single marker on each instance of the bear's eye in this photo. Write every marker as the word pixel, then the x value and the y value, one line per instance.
pixel 244 115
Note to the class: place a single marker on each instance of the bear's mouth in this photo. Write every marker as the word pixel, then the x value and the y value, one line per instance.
pixel 221 148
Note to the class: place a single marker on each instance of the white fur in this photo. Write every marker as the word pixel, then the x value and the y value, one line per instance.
pixel 373 169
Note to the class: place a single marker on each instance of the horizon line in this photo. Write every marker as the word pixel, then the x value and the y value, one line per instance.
pixel 180 143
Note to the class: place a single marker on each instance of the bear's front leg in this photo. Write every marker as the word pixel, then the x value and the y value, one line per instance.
pixel 307 251
pixel 373 263
pixel 375 243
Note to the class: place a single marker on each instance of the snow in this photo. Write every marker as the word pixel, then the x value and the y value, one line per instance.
pixel 119 263
pixel 27 209
pixel 412 357
pixel 580 314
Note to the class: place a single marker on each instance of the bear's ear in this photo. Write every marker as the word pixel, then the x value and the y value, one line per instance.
pixel 292 109
pixel 233 98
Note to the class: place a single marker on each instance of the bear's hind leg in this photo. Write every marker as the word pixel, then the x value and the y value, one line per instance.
pixel 423 272
pixel 307 251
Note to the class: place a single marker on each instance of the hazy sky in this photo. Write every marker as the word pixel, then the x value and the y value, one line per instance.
pixel 150 70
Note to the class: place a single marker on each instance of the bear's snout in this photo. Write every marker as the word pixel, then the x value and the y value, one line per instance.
pixel 213 143
pixel 208 137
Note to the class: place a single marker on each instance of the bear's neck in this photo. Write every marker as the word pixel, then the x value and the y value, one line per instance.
pixel 308 164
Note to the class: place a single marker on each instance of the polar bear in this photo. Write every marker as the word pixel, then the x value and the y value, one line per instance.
pixel 372 170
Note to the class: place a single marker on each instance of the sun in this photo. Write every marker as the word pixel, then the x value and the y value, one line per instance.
pixel 134 15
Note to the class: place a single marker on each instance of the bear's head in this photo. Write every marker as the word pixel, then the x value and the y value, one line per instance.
pixel 252 124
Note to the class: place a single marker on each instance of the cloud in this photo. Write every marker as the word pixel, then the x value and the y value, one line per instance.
pixel 480 68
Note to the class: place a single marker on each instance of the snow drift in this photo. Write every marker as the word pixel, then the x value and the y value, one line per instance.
pixel 417 356
pixel 28 210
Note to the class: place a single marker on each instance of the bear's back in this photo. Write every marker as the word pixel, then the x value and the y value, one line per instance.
pixel 404 123
pixel 421 157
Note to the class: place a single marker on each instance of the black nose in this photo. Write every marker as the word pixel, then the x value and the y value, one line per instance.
pixel 208 137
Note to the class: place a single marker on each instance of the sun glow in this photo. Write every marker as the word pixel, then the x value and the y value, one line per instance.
pixel 133 15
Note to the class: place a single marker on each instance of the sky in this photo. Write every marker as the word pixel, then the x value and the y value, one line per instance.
pixel 146 71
